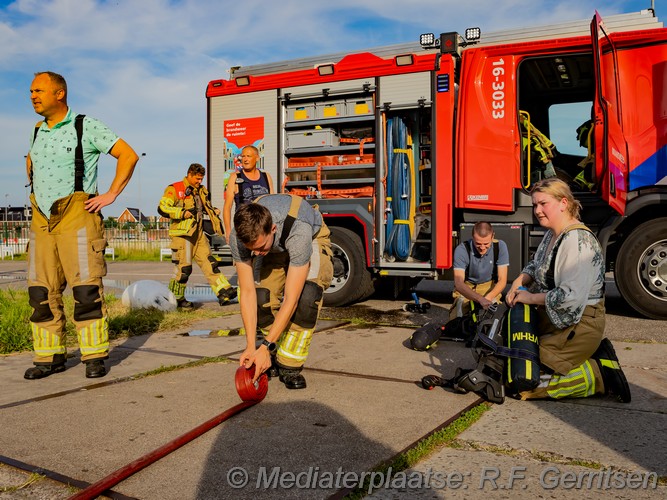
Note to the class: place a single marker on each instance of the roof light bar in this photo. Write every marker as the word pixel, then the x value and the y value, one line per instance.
pixel 428 40
pixel 473 34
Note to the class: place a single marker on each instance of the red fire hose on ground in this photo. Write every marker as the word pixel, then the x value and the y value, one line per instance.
pixel 251 394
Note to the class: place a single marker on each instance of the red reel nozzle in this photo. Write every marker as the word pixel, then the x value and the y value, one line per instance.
pixel 245 387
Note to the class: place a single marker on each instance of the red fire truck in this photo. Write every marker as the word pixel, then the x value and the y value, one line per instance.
pixel 404 147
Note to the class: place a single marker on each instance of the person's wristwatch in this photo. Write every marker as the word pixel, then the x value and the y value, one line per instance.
pixel 270 346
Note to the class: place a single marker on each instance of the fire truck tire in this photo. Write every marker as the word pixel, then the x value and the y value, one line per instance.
pixel 352 281
pixel 641 269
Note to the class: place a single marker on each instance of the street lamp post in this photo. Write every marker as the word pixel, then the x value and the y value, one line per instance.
pixel 6 232
pixel 139 172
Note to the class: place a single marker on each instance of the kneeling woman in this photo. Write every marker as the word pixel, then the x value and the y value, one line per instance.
pixel 565 280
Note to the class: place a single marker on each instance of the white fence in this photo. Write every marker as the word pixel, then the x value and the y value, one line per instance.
pixel 129 237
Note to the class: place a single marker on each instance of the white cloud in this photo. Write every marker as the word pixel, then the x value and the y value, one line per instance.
pixel 142 67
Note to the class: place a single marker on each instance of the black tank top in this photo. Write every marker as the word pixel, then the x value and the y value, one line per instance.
pixel 248 189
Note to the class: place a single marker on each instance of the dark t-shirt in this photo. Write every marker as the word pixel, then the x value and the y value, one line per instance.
pixel 480 267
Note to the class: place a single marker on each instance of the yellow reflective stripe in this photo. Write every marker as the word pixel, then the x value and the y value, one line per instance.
pixel 583 386
pixel 167 206
pixel 220 283
pixel 46 343
pixel 401 221
pixel 181 227
pixel 610 364
pixel 178 289
pixel 295 345
pixel 304 342
pixel 288 343
pixel 574 391
pixel 526 313
pixel 94 338
pixel 296 357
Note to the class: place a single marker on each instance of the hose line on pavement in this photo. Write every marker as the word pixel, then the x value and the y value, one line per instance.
pixel 251 393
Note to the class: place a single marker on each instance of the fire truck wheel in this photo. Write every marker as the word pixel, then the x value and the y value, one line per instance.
pixel 352 281
pixel 641 269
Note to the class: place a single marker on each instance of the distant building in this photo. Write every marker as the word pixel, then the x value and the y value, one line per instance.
pixel 15 214
pixel 132 215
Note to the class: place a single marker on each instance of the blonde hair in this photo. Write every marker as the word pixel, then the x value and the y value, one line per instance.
pixel 252 148
pixel 557 188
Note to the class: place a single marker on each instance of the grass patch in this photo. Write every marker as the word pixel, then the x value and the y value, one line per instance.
pixel 15 312
pixel 425 447
pixel 32 478
pixel 126 253
pixel 121 253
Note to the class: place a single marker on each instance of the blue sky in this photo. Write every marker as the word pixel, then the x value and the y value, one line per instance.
pixel 142 66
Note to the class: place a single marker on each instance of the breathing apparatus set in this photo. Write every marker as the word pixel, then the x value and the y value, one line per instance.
pixel 460 329
pixel 505 347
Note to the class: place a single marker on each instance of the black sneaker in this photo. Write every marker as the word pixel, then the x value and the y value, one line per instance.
pixel 95 368
pixel 292 378
pixel 226 295
pixel 612 375
pixel 184 304
pixel 41 371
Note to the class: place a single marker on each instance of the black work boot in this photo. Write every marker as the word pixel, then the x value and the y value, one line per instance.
pixel 95 368
pixel 184 303
pixel 226 295
pixel 613 377
pixel 44 370
pixel 292 378
pixel 273 371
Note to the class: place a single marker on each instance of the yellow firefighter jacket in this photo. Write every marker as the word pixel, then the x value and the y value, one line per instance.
pixel 178 198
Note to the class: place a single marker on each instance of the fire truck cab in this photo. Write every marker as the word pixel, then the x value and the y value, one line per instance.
pixel 404 148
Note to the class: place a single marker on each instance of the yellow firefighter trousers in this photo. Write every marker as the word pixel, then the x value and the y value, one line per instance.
pixel 294 342
pixel 567 352
pixel 185 249
pixel 67 249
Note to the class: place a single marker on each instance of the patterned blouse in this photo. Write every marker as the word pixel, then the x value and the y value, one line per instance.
pixel 578 275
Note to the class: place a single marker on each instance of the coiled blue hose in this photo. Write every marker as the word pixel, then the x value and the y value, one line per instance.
pixel 398 237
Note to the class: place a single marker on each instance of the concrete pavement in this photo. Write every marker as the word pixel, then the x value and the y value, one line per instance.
pixel 362 407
